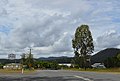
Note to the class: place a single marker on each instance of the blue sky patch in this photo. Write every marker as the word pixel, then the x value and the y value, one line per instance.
pixel 5 29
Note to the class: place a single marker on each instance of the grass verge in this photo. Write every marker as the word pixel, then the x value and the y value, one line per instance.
pixel 7 71
pixel 108 70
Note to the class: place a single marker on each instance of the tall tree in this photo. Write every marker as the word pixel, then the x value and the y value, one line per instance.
pixel 23 59
pixel 27 59
pixel 82 43
pixel 30 60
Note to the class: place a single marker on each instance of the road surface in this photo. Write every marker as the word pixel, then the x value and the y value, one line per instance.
pixel 60 75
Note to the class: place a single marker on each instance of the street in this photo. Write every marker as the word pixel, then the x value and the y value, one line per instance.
pixel 60 75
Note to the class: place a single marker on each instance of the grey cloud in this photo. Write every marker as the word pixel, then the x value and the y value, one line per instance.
pixel 63 44
pixel 108 40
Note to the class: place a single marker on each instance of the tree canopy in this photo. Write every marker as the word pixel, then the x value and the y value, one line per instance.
pixel 82 42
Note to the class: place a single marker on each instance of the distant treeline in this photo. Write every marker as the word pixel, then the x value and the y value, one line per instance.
pixel 49 59
pixel 57 59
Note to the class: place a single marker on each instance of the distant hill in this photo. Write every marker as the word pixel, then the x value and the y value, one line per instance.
pixel 104 54
pixel 4 61
pixel 62 59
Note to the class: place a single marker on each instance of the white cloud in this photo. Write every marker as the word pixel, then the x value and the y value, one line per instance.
pixel 48 26
pixel 109 39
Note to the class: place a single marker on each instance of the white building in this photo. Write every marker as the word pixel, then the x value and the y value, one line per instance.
pixel 13 66
pixel 66 64
pixel 98 65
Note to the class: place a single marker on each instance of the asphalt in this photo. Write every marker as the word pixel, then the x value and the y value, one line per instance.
pixel 60 75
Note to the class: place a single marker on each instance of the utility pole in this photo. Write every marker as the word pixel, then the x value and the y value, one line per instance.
pixel 30 50
pixel 22 70
pixel 30 58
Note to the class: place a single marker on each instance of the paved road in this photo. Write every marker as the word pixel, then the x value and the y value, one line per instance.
pixel 60 75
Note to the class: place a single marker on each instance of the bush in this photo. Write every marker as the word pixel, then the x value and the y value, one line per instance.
pixel 46 65
pixel 1 66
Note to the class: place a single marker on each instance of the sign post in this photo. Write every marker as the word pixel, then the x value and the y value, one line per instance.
pixel 11 56
pixel 22 70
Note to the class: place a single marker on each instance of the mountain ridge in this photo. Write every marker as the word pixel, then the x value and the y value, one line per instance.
pixel 102 55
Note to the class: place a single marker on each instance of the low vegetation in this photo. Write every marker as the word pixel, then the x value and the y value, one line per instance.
pixel 7 71
pixel 46 65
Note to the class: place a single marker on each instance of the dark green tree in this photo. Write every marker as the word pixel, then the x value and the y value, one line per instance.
pixel 23 59
pixel 118 56
pixel 82 44
pixel 30 60
pixel 112 62
pixel 27 59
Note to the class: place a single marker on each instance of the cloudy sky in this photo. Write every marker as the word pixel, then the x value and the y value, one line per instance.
pixel 48 26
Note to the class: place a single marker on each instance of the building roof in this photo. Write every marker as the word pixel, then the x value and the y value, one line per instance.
pixel 14 64
pixel 98 65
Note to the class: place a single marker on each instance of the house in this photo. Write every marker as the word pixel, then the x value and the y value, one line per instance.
pixel 98 65
pixel 65 64
pixel 13 66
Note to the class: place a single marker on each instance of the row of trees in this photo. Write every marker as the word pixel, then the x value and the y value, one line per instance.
pixel 29 62
pixel 46 65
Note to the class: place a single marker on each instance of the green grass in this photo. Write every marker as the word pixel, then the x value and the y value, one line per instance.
pixel 108 70
pixel 7 71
